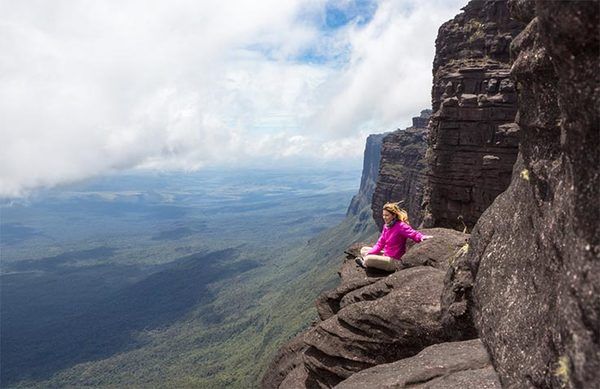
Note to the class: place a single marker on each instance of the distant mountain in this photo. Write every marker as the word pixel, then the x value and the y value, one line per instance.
pixel 402 171
pixel 370 172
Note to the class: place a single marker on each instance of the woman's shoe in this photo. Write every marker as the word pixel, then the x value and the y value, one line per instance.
pixel 360 262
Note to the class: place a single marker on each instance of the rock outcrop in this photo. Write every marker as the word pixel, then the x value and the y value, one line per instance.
pixel 371 318
pixel 456 365
pixel 422 121
pixel 531 276
pixel 474 142
pixel 402 173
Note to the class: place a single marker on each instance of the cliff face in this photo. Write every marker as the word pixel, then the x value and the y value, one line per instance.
pixel 531 278
pixel 372 318
pixel 370 171
pixel 528 281
pixel 473 142
pixel 402 170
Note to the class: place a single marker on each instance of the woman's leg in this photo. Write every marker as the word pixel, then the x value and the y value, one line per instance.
pixel 379 262
pixel 365 250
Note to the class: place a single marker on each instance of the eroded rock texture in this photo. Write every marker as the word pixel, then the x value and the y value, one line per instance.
pixel 402 173
pixel 456 365
pixel 534 255
pixel 391 319
pixel 371 318
pixel 473 142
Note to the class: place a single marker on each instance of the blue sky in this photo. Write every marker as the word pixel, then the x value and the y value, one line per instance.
pixel 92 88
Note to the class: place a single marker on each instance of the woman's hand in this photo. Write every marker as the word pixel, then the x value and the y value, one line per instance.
pixel 425 237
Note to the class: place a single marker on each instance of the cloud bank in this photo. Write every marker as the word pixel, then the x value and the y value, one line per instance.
pixel 93 87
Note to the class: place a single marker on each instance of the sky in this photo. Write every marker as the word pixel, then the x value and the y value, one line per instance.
pixel 91 88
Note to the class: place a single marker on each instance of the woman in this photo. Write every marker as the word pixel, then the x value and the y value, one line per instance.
pixel 391 245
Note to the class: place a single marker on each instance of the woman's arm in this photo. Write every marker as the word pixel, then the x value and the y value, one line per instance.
pixel 378 246
pixel 408 232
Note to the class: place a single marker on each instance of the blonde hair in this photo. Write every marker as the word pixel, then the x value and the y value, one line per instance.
pixel 395 210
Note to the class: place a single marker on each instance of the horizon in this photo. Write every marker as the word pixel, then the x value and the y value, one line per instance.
pixel 131 178
pixel 92 89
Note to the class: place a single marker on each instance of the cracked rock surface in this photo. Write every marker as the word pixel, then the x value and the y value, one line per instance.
pixel 455 365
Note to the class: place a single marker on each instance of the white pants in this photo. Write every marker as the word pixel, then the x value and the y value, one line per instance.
pixel 377 261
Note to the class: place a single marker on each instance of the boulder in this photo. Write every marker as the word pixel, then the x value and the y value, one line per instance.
pixel 455 365
pixel 437 252
pixel 372 317
pixel 353 277
pixel 401 320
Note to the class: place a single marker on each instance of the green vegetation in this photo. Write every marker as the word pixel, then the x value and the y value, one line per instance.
pixel 476 30
pixel 563 371
pixel 200 299
pixel 229 341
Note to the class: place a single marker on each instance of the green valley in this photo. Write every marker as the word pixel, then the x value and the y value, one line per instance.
pixel 170 281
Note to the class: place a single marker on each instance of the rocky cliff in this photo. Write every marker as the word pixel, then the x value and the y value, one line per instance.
pixel 528 280
pixel 402 170
pixel 531 277
pixel 370 171
pixel 373 318
pixel 473 142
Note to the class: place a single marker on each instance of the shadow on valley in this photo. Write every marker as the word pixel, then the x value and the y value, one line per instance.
pixel 13 233
pixel 55 317
pixel 55 262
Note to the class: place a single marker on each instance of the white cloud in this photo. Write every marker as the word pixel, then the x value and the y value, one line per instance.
pixel 89 87
pixel 388 79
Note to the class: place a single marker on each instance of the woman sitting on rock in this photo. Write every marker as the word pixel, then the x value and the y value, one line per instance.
pixel 391 245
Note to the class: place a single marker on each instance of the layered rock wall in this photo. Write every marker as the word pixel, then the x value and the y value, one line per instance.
pixel 402 174
pixel 473 142
pixel 531 276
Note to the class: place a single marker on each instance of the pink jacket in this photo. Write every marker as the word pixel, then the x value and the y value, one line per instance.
pixel 393 240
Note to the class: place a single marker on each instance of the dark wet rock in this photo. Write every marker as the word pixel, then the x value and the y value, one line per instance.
pixel 456 365
pixel 534 258
pixel 402 173
pixel 472 145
